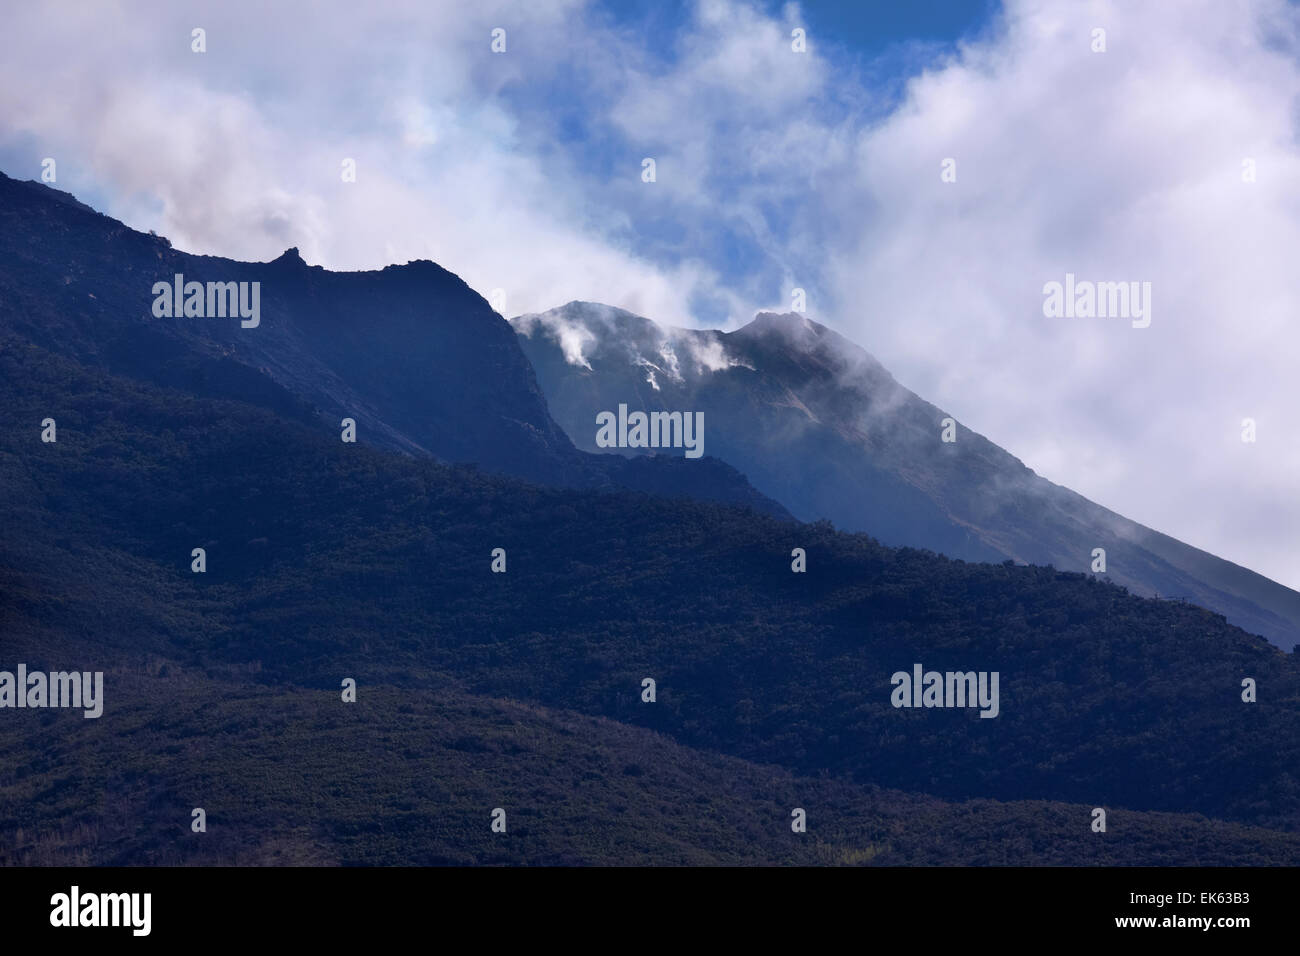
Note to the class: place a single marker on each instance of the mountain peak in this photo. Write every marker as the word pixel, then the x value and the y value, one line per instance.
pixel 582 309
pixel 797 334
pixel 46 191
pixel 290 257
pixel 418 265
pixel 786 322
pixel 790 330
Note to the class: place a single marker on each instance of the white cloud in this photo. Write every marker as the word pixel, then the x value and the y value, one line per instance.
pixel 1113 166
pixel 1119 165
pixel 238 151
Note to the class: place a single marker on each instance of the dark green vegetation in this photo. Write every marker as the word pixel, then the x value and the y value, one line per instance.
pixel 411 777
pixel 329 560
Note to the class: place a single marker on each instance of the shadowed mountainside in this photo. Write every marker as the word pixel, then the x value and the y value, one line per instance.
pixel 820 425
pixel 410 776
pixel 522 689
pixel 327 560
pixel 411 353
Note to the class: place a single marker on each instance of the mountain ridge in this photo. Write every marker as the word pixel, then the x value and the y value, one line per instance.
pixel 818 423
pixel 326 560
pixel 410 352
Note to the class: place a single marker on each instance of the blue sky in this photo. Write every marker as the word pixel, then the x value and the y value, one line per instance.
pixel 866 27
pixel 776 171
pixel 879 45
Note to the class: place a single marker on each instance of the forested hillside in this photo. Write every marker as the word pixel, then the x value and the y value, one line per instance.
pixel 327 560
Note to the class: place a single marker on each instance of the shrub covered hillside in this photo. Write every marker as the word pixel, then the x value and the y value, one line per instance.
pixel 411 776
pixel 327 560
